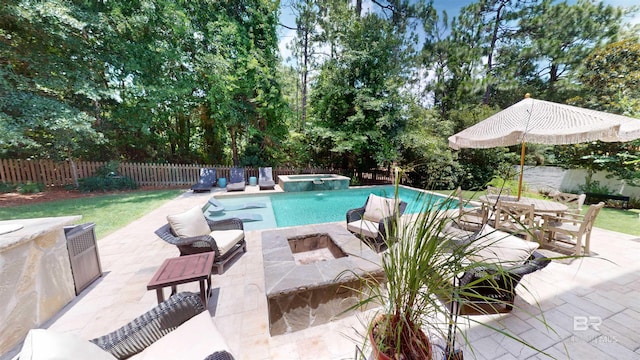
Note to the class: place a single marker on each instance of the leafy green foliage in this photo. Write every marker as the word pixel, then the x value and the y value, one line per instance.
pixel 7 187
pixel 30 188
pixel 106 178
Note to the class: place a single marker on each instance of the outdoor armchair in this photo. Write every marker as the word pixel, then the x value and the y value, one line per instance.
pixel 371 222
pixel 186 231
pixel 265 178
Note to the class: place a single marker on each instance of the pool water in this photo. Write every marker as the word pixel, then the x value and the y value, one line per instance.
pixel 315 207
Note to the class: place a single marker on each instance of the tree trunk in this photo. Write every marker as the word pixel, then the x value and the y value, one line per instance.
pixel 494 40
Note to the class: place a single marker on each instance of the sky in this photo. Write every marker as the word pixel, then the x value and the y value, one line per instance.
pixel 452 7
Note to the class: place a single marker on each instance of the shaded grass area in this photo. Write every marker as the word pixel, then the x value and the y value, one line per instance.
pixel 623 221
pixel 109 212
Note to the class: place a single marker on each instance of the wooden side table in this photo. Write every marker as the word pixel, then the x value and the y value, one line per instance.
pixel 182 270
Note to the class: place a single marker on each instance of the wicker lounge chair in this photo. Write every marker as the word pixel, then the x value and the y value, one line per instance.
pixel 488 293
pixel 205 243
pixel 207 180
pixel 370 221
pixel 237 180
pixel 501 260
pixel 149 328
pixel 265 178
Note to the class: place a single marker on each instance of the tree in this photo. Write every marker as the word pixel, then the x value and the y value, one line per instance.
pixel 49 86
pixel 556 39
pixel 358 101
pixel 611 76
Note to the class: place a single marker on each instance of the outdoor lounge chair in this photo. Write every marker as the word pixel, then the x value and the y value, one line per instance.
pixel 207 180
pixel 265 178
pixel 487 293
pixel 160 333
pixel 371 222
pixel 193 233
pixel 214 206
pixel 236 180
pixel 502 260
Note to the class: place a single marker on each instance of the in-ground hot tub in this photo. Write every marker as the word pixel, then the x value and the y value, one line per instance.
pixel 308 182
pixel 310 276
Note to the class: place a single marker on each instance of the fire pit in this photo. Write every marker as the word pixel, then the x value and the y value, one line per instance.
pixel 311 273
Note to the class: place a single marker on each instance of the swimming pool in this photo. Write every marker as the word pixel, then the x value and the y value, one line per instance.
pixel 315 207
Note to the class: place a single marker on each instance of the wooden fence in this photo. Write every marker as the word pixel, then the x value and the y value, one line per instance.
pixel 52 173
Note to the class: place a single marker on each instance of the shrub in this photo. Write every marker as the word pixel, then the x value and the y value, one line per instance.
pixel 7 187
pixel 106 179
pixel 594 187
pixel 30 188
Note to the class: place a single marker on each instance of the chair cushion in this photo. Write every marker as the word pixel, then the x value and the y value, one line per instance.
pixel 42 344
pixel 189 223
pixel 498 247
pixel 378 208
pixel 195 339
pixel 226 239
pixel 364 228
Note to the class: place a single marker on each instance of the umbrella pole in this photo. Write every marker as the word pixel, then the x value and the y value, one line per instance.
pixel 524 146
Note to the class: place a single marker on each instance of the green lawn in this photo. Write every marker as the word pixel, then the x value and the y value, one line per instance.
pixel 109 212
pixel 624 221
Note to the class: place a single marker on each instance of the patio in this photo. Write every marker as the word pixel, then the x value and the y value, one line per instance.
pixel 591 305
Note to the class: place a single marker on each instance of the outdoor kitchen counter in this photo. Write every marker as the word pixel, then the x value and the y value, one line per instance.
pixel 35 275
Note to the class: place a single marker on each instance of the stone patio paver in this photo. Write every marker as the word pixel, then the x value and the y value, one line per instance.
pixel 587 287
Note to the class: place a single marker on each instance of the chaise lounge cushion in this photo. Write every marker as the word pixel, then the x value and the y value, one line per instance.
pixel 226 239
pixel 42 344
pixel 197 338
pixel 189 223
pixel 498 247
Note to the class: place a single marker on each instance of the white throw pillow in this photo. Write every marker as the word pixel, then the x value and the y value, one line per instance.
pixel 42 344
pixel 189 223
pixel 378 208
pixel 498 247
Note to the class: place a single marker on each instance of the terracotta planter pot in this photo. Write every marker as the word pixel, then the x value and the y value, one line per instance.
pixel 379 355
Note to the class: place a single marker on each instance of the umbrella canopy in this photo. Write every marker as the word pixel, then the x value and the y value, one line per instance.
pixel 544 122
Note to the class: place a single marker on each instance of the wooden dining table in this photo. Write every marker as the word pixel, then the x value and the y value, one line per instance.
pixel 541 206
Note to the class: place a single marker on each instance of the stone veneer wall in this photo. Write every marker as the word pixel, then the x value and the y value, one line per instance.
pixel 35 276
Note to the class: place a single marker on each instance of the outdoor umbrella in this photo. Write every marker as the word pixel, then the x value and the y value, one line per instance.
pixel 545 122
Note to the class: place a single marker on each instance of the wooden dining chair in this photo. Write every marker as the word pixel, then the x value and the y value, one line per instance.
pixel 573 201
pixel 470 218
pixel 572 229
pixel 500 191
pixel 516 218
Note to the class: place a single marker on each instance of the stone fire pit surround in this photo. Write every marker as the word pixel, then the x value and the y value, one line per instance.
pixel 300 296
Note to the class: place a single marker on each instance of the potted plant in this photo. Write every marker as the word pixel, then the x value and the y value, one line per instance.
pixel 421 267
